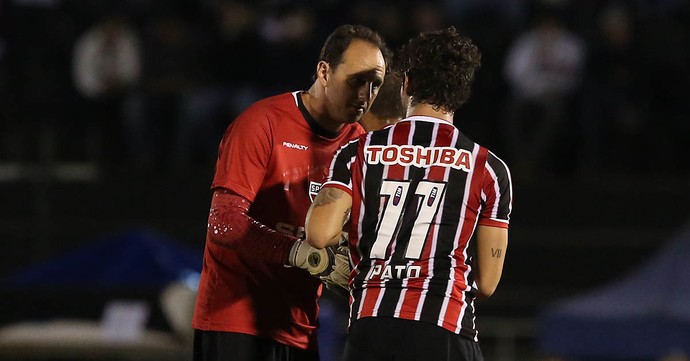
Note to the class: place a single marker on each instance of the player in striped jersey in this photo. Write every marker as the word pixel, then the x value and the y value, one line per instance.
pixel 429 211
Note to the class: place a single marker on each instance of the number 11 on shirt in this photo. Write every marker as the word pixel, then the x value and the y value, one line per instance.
pixel 428 194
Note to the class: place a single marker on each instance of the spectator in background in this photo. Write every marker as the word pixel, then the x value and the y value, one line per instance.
pixel 387 17
pixel 510 11
pixel 388 107
pixel 427 16
pixel 106 68
pixel 289 30
pixel 171 69
pixel 543 68
pixel 228 83
pixel 613 94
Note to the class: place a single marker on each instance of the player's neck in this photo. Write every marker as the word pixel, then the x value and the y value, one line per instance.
pixel 371 122
pixel 317 109
pixel 427 110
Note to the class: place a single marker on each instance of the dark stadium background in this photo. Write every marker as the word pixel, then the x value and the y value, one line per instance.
pixel 69 176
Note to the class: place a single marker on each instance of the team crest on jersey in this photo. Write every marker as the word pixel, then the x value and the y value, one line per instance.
pixel 313 189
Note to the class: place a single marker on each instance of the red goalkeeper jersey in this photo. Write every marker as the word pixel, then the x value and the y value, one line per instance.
pixel 275 155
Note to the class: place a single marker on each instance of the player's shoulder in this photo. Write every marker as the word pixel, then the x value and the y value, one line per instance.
pixel 276 103
pixel 490 155
pixel 351 131
pixel 497 164
pixel 469 144
pixel 269 110
pixel 357 129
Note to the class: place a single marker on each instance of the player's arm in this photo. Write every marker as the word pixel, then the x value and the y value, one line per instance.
pixel 231 227
pixel 492 243
pixel 492 231
pixel 330 210
pixel 326 217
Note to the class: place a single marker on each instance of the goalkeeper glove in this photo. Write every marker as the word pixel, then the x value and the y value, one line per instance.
pixel 319 262
pixel 338 280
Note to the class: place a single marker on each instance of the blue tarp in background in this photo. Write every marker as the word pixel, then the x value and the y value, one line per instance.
pixel 643 316
pixel 148 259
pixel 139 258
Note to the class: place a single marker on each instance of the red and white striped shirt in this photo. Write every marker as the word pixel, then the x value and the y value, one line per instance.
pixel 419 189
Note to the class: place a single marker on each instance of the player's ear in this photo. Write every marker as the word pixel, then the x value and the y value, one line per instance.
pixel 406 87
pixel 322 69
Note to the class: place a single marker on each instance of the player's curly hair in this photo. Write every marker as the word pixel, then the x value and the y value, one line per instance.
pixel 440 67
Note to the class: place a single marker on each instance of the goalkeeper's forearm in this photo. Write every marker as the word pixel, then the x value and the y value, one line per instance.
pixel 230 226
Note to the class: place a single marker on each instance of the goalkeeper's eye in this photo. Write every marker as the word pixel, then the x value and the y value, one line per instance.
pixel 314 259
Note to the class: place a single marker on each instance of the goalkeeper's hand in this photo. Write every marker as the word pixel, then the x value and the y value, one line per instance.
pixel 319 262
pixel 337 281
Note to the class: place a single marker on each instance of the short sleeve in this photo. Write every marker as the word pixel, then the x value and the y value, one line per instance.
pixel 497 194
pixel 244 153
pixel 340 172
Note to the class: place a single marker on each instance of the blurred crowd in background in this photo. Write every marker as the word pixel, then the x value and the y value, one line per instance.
pixel 579 89
pixel 575 88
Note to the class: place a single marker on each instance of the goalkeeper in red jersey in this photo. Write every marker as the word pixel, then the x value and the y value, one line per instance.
pixel 257 296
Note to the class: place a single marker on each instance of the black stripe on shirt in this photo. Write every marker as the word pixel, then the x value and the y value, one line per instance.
pixel 503 184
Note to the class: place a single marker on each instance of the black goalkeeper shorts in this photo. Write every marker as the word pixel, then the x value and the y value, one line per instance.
pixel 394 339
pixel 229 346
